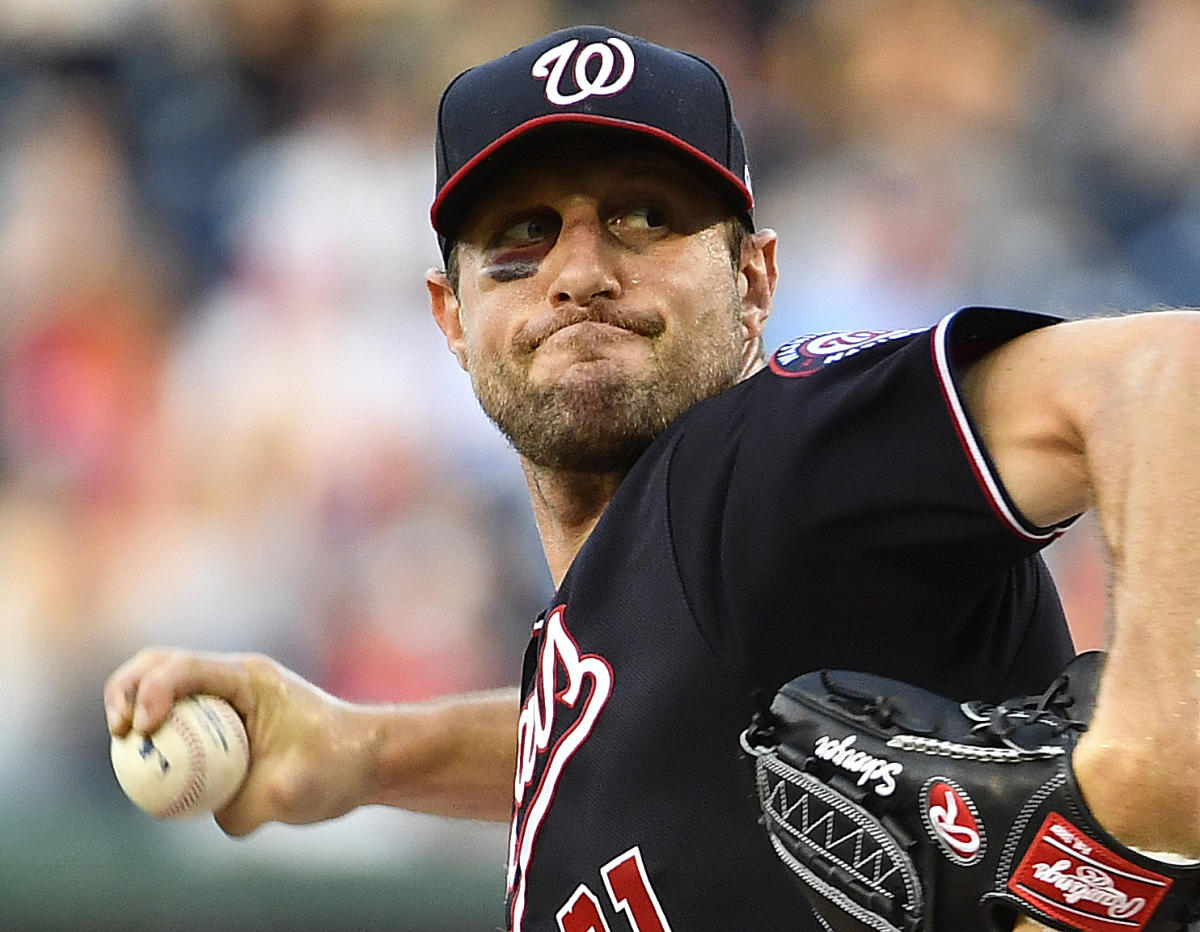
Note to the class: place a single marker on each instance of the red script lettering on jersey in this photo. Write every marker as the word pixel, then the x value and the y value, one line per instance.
pixel 559 661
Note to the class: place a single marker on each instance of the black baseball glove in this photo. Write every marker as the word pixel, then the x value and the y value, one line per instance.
pixel 902 811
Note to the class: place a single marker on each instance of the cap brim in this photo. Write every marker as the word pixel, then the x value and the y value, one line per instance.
pixel 458 193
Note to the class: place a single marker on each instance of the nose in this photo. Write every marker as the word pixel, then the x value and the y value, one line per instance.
pixel 584 264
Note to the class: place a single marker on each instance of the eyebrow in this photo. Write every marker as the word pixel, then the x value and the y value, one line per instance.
pixel 643 164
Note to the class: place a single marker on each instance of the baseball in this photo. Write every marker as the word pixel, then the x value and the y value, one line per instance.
pixel 191 766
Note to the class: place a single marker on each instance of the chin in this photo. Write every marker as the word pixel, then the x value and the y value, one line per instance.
pixel 598 410
pixel 599 454
pixel 609 361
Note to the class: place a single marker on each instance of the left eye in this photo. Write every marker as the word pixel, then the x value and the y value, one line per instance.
pixel 646 217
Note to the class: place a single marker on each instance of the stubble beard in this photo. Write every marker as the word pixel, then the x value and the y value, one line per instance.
pixel 601 423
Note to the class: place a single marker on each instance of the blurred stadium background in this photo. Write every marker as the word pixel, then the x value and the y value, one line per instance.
pixel 226 421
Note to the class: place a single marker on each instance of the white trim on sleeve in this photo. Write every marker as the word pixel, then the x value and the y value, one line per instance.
pixel 980 465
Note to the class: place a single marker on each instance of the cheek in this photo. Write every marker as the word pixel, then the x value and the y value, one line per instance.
pixel 707 292
pixel 480 339
pixel 489 332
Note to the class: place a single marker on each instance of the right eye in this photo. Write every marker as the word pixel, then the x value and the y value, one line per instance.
pixel 528 231
pixel 518 248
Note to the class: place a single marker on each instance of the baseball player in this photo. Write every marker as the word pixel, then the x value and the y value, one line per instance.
pixel 716 522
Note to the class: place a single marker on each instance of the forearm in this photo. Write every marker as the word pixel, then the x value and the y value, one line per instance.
pixel 1106 414
pixel 453 757
pixel 1147 487
pixel 315 757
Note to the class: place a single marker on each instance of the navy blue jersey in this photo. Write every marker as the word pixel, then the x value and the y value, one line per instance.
pixel 834 510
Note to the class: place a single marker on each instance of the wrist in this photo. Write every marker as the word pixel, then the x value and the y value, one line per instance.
pixel 391 747
pixel 452 757
pixel 1139 797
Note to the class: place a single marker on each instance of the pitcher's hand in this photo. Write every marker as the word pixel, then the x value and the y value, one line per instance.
pixel 309 754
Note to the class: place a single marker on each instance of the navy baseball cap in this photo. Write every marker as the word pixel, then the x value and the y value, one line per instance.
pixel 584 76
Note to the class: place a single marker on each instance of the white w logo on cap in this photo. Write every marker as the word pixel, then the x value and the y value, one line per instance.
pixel 553 63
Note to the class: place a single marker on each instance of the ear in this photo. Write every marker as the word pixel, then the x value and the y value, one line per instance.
pixel 443 302
pixel 757 276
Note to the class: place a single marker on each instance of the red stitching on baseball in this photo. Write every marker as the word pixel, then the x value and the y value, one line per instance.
pixel 193 789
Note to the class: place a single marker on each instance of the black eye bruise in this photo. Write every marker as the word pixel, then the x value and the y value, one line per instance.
pixel 511 270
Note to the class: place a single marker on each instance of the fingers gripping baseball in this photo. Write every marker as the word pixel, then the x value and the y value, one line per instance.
pixel 193 764
pixel 141 692
pixel 293 729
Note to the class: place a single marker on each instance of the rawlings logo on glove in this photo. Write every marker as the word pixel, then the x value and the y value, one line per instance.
pixel 902 811
pixel 1069 875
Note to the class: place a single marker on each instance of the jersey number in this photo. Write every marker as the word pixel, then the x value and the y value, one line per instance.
pixel 630 892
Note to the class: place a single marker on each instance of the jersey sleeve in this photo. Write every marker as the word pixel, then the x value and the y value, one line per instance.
pixel 839 509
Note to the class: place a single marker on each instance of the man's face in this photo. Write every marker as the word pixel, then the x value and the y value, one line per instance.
pixel 597 301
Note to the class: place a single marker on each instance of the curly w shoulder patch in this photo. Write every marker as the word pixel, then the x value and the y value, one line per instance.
pixel 808 354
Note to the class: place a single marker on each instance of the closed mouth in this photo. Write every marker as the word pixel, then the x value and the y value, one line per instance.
pixel 644 325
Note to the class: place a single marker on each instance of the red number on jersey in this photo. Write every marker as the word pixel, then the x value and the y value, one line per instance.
pixel 630 892
pixel 582 913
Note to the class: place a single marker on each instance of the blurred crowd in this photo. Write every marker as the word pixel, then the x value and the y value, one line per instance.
pixel 226 419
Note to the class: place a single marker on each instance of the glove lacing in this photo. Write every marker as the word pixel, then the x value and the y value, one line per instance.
pixel 1050 709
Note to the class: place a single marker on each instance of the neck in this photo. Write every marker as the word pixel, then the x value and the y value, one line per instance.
pixel 567 506
pixel 752 360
